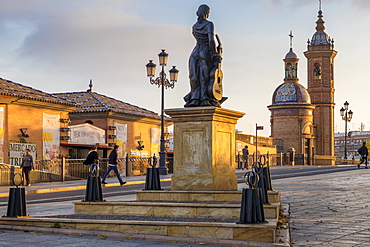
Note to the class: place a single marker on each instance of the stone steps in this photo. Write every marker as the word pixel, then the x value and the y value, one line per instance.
pixel 265 232
pixel 193 204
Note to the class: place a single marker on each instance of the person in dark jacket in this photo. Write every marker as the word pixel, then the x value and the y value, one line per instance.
pixel 27 166
pixel 245 157
pixel 92 159
pixel 112 165
pixel 364 153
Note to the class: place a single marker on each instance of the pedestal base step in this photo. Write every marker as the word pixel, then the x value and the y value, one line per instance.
pixel 201 209
pixel 218 196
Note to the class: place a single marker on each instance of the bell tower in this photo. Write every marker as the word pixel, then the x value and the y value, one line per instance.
pixel 320 56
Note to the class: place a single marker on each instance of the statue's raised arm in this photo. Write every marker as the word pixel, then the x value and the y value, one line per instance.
pixel 205 73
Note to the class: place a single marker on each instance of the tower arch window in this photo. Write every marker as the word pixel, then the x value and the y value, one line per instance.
pixel 288 69
pixel 317 71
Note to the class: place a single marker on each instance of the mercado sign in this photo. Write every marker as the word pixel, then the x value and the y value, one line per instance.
pixel 17 150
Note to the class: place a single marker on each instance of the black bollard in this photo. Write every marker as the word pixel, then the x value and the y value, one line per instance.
pixel 16 200
pixel 152 181
pixel 251 211
pixel 93 191
pixel 267 175
pixel 263 181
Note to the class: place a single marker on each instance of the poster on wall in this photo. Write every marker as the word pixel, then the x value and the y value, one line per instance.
pixel 1 134
pixel 155 136
pixel 50 136
pixel 121 141
pixel 17 149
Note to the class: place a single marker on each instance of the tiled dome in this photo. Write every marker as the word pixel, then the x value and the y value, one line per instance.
pixel 291 93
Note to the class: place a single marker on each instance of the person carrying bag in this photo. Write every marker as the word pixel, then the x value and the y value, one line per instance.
pixel 364 153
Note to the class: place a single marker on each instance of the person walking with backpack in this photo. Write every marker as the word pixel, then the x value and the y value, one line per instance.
pixel 364 153
pixel 92 160
pixel 112 165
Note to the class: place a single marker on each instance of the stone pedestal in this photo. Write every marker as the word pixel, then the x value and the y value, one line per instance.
pixel 204 144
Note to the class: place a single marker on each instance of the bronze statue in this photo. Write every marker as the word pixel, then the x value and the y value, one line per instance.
pixel 205 64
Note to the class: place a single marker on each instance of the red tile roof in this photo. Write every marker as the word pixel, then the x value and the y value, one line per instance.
pixel 88 101
pixel 13 89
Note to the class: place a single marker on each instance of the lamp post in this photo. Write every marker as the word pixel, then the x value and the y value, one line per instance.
pixel 346 116
pixel 162 82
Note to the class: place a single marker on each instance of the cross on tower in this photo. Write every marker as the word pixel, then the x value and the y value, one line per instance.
pixel 291 39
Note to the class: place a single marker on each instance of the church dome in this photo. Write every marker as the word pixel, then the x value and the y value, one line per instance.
pixel 291 54
pixel 291 93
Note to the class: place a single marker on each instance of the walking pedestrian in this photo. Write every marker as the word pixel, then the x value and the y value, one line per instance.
pixel 364 153
pixel 245 157
pixel 112 165
pixel 27 166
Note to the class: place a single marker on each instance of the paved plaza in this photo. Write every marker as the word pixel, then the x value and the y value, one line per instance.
pixel 329 209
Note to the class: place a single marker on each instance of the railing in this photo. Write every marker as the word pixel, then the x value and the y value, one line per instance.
pixel 283 159
pixel 346 161
pixel 72 169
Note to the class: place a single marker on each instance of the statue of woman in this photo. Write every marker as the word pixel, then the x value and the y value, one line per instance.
pixel 204 64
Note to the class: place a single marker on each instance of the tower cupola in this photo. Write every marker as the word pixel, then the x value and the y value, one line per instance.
pixel 291 62
pixel 320 37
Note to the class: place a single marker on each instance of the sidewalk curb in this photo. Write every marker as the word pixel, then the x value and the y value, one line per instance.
pixel 107 234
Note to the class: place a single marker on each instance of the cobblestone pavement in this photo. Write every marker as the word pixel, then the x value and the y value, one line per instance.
pixel 329 211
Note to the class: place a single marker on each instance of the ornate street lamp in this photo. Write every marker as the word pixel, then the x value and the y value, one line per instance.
pixel 346 116
pixel 162 82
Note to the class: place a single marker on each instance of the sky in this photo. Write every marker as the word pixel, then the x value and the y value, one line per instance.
pixel 58 46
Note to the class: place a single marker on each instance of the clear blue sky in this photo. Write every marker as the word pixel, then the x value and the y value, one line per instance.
pixel 59 45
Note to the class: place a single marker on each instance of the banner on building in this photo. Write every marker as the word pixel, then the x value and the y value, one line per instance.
pixel 155 137
pixel 87 134
pixel 121 141
pixel 17 150
pixel 50 136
